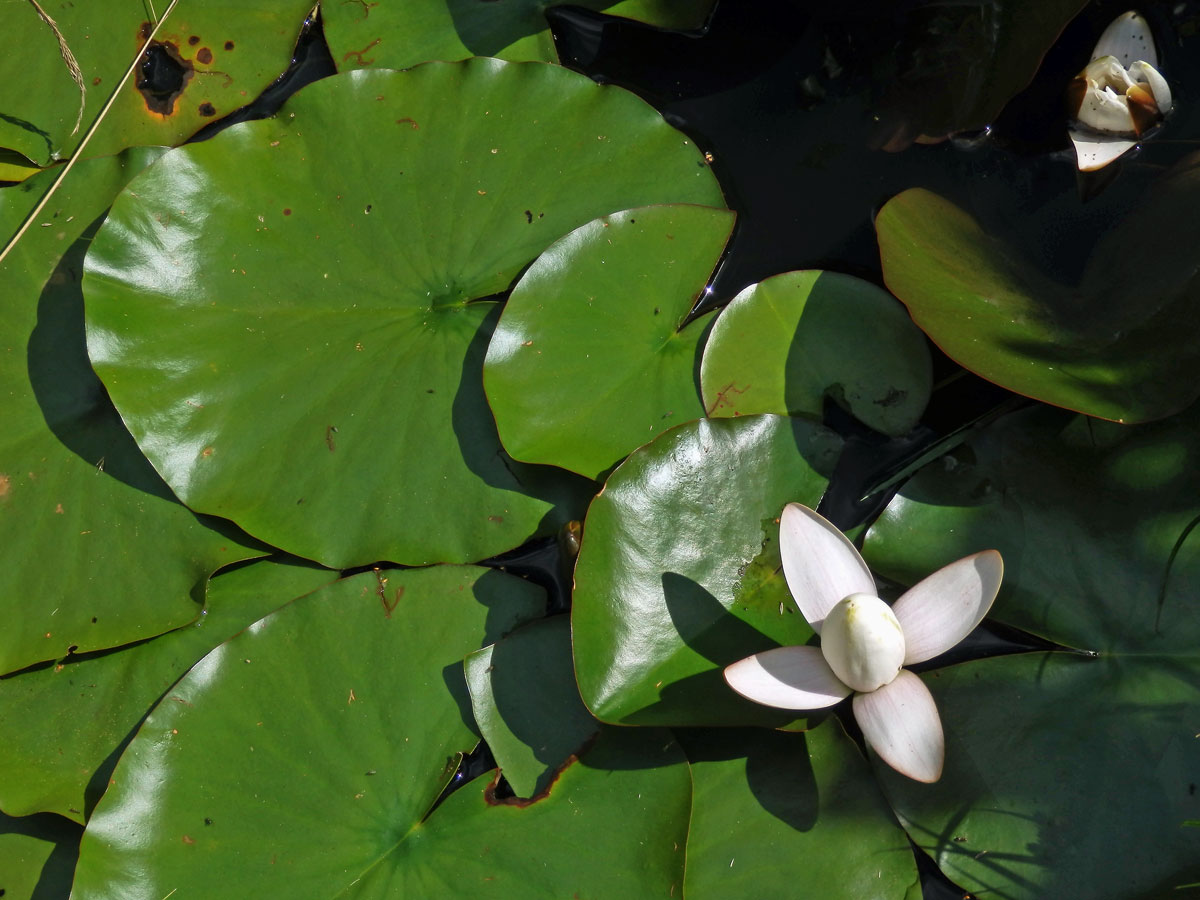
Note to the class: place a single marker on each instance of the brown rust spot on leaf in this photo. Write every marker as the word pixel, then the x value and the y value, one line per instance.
pixel 162 75
pixel 359 54
pixel 204 56
pixel 489 793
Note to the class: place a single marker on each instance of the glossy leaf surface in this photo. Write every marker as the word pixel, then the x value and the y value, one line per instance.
pixel 66 721
pixel 591 359
pixel 207 59
pixel 302 353
pixel 98 552
pixel 527 706
pixel 782 345
pixel 1121 344
pixel 679 571
pixel 1096 525
pixel 297 757
pixel 400 33
pixel 786 815
pixel 616 822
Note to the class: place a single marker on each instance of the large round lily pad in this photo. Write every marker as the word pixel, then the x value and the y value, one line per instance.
pixel 1063 776
pixel 1123 343
pixel 1065 772
pixel 679 572
pixel 591 357
pixel 784 344
pixel 206 60
pixel 1043 486
pixel 97 550
pixel 284 314
pixel 790 815
pixel 401 33
pixel 303 758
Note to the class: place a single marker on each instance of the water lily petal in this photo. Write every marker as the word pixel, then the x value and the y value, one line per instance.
pixel 820 564
pixel 1128 38
pixel 787 678
pixel 1094 152
pixel 1144 73
pixel 941 610
pixel 1104 110
pixel 900 721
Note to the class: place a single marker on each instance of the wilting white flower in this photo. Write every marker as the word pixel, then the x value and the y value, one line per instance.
pixel 1119 95
pixel 865 643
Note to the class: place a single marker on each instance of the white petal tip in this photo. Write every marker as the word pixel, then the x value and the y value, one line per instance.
pixel 1094 153
pixel 941 610
pixel 794 678
pixel 820 564
pixel 900 722
pixel 1128 38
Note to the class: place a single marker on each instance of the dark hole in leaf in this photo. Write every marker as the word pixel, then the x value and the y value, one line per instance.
pixel 162 76
pixel 229 45
pixel 194 40
pixel 207 109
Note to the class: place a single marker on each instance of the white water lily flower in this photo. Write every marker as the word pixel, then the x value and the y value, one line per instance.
pixel 865 643
pixel 1119 95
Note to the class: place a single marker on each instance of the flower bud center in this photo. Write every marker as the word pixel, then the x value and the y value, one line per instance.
pixel 863 642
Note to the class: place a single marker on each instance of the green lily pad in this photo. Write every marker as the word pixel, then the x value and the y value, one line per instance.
pixel 1041 484
pixel 613 824
pixel 65 721
pixel 397 34
pixel 679 572
pixel 591 357
pixel 783 345
pixel 527 706
pixel 37 856
pixel 304 755
pixel 15 167
pixel 302 353
pixel 98 551
pixel 1122 344
pixel 207 60
pixel 1096 525
pixel 787 815
pixel 1064 776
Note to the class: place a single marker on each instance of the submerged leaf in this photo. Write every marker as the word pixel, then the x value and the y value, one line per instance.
pixel 1123 343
